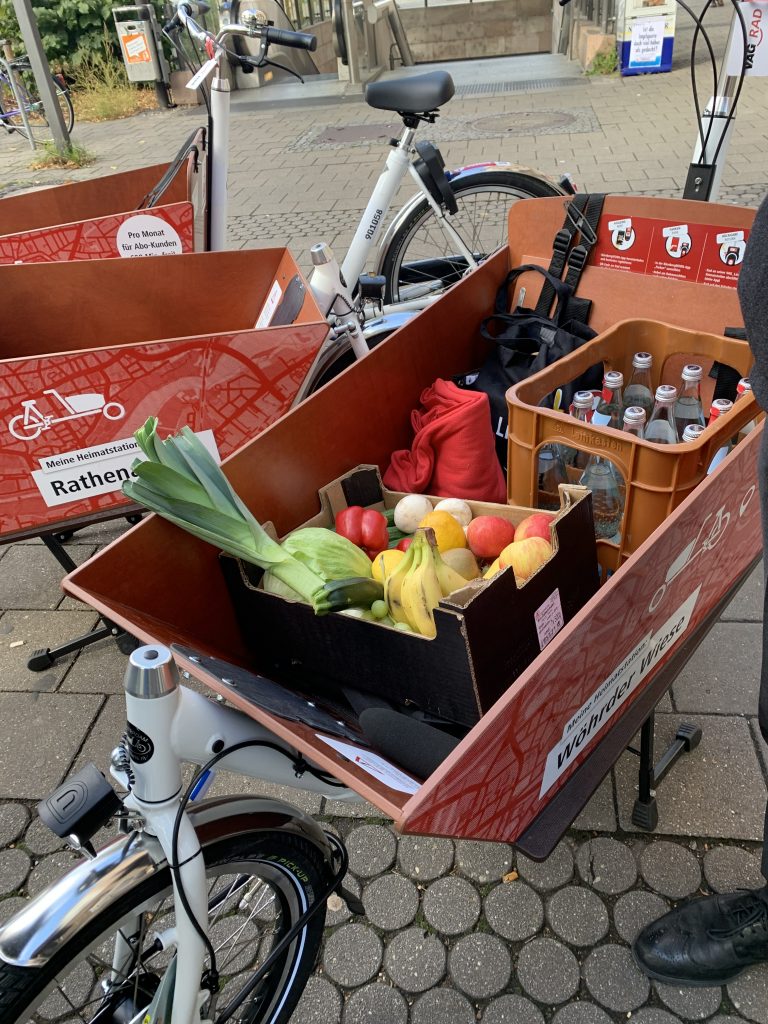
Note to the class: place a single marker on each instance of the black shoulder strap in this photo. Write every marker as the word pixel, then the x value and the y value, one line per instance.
pixel 560 247
pixel 579 308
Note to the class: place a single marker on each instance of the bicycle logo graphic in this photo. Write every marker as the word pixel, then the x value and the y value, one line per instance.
pixel 31 423
pixel 718 524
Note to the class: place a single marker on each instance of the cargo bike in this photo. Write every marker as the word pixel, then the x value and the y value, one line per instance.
pixel 257 871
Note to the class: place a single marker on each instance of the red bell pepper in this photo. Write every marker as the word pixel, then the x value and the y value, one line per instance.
pixel 365 527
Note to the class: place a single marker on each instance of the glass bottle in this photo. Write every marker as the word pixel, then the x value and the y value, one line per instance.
pixel 639 391
pixel 581 410
pixel 720 406
pixel 688 408
pixel 661 426
pixel 551 473
pixel 608 411
pixel 607 503
pixel 693 432
pixel 744 387
pixel 634 420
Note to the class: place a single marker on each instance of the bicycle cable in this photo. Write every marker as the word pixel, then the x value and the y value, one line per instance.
pixel 300 766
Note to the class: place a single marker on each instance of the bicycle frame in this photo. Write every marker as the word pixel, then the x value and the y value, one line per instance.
pixel 6 72
pixel 168 724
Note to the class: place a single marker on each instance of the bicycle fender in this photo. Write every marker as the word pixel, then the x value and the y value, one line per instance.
pixel 456 175
pixel 38 932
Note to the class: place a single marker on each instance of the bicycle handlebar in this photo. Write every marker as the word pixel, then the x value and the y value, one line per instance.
pixel 287 37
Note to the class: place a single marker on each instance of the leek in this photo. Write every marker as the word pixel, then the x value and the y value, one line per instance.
pixel 182 482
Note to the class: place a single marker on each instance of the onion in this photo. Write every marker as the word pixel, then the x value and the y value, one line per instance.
pixel 410 510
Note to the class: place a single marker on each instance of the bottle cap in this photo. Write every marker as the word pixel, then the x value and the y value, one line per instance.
pixel 693 432
pixel 692 372
pixel 666 393
pixel 634 414
pixel 613 379
pixel 642 360
pixel 720 407
pixel 583 400
pixel 744 386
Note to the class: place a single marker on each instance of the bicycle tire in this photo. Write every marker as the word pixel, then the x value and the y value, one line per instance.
pixel 420 251
pixel 289 864
pixel 7 105
pixel 38 122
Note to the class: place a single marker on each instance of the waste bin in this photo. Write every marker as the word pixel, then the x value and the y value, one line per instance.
pixel 645 35
pixel 140 43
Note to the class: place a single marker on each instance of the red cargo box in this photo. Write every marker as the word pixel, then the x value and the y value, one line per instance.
pixel 536 742
pixel 87 219
pixel 460 673
pixel 187 339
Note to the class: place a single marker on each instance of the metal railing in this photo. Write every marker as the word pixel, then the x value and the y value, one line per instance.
pixel 308 12
pixel 601 13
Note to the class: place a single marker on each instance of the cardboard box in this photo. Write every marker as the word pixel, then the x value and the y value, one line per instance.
pixel 487 633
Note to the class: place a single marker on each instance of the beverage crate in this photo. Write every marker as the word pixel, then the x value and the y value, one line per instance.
pixel 657 477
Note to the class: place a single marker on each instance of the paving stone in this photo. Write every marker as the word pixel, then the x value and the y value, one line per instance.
pixel 480 965
pixel 747 605
pixel 442 1006
pixel 727 868
pixel 514 910
pixel 607 865
pixel 670 869
pixel 512 1010
pixel 691 1003
pixel 13 821
pixel 599 815
pixel 372 849
pixel 228 783
pixel 415 960
pixel 31 576
pixel 351 809
pixel 320 1003
pixel 391 902
pixel 578 916
pixel 723 677
pixel 634 910
pixel 715 790
pixel 15 865
pixel 375 1004
pixel 451 905
pixel 50 869
pixel 582 1013
pixel 58 723
pixel 37 629
pixel 483 862
pixel 352 955
pixel 548 874
pixel 10 906
pixel 653 1015
pixel 40 840
pixel 337 910
pixel 101 669
pixel 749 994
pixel 423 858
pixel 548 971
pixel 613 980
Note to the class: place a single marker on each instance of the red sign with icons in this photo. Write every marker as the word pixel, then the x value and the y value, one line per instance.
pixel 160 231
pixel 701 253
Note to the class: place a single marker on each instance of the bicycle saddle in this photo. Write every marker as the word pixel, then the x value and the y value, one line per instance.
pixel 415 94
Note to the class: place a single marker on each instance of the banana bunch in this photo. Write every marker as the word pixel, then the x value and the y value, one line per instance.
pixel 420 580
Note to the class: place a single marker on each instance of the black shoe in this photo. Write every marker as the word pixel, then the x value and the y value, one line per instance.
pixel 706 942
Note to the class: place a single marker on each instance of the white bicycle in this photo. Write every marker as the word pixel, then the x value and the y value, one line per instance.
pixel 203 911
pixel 454 221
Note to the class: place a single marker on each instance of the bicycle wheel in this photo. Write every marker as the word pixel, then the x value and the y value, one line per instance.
pixel 259 885
pixel 420 252
pixel 9 115
pixel 33 106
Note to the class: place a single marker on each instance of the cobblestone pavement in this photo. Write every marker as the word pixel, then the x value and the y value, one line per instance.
pixel 460 931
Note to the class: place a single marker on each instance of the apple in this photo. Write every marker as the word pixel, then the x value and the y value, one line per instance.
pixel 525 556
pixel 537 525
pixel 487 536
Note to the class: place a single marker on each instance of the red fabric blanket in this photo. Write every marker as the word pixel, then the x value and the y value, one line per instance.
pixel 453 452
